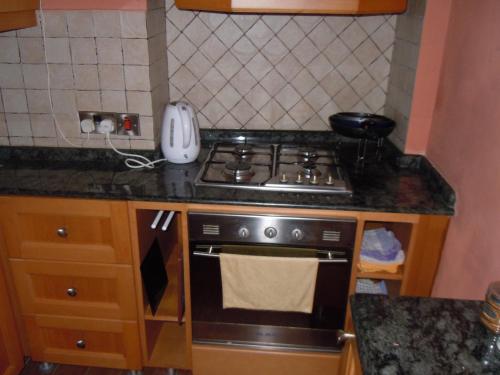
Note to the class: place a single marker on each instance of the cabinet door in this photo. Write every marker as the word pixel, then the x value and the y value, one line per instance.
pixel 11 358
pixel 67 229
pixel 17 14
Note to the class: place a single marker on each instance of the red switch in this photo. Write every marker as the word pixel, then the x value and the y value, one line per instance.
pixel 127 124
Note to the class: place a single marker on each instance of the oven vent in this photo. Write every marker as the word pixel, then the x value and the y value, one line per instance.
pixel 331 235
pixel 211 230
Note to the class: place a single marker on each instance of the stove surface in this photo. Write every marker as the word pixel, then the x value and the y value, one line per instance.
pixel 274 167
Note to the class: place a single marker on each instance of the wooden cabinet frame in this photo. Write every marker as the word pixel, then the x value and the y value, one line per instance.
pixel 17 14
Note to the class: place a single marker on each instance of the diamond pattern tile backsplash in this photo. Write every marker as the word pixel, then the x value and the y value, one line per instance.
pixel 277 71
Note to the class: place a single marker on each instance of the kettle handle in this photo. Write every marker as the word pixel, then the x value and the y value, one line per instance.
pixel 186 124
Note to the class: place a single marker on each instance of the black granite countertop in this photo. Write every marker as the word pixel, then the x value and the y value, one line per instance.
pixel 421 336
pixel 398 183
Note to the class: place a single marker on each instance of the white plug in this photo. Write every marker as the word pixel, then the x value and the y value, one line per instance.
pixel 106 126
pixel 87 125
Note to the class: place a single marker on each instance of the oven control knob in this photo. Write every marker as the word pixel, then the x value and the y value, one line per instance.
pixel 330 180
pixel 300 178
pixel 270 232
pixel 243 232
pixel 297 234
pixel 314 180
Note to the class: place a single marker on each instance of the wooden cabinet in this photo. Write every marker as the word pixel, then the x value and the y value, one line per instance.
pixel 350 364
pixel 11 358
pixel 296 6
pixel 70 262
pixel 17 14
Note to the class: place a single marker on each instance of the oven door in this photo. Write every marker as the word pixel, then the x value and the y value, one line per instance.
pixel 317 331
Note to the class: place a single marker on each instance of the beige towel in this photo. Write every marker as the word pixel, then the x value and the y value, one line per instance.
pixel 268 283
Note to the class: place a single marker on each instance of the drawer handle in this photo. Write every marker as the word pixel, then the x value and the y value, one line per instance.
pixel 81 344
pixel 72 292
pixel 62 232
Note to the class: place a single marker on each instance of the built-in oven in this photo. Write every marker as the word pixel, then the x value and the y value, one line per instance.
pixel 329 240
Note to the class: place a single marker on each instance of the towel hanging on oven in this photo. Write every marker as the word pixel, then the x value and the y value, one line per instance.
pixel 268 283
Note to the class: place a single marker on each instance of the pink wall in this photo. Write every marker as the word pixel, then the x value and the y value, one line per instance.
pixel 95 4
pixel 464 145
pixel 430 59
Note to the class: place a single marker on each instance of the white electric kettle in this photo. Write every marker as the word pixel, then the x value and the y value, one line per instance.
pixel 180 140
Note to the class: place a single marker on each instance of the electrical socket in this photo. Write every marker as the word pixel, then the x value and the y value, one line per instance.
pixel 125 123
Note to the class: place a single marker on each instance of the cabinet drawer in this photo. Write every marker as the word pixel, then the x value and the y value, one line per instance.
pixel 67 229
pixel 87 342
pixel 77 289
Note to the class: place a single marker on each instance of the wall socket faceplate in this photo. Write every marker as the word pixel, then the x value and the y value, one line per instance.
pixel 122 123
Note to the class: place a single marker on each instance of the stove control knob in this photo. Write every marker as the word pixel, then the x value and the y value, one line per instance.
pixel 243 232
pixel 297 234
pixel 270 232
pixel 284 178
pixel 314 180
pixel 330 180
pixel 300 178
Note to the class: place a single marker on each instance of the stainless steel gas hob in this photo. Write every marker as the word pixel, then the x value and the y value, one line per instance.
pixel 274 167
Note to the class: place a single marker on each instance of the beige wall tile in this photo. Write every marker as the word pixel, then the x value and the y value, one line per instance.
pixel 137 78
pixel 147 127
pixel 14 100
pixel 61 76
pixel 42 125
pixel 88 101
pixel 58 50
pixel 138 144
pixel 80 24
pixel 69 124
pixel 64 101
pixel 18 125
pixel 109 51
pixel 11 76
pixel 135 51
pixel 21 141
pixel 133 24
pixel 86 77
pixel 55 24
pixel 3 126
pixel 38 101
pixel 45 142
pixel 139 102
pixel 83 51
pixel 107 23
pixel 111 77
pixel 114 101
pixel 31 50
pixel 4 141
pixel 35 76
pixel 9 51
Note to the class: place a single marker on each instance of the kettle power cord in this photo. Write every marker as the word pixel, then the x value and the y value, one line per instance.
pixel 134 161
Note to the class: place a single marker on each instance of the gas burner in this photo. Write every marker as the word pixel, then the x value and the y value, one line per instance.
pixel 239 170
pixel 243 149
pixel 308 154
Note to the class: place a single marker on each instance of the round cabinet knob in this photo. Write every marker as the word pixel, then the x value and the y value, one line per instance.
pixel 72 292
pixel 270 232
pixel 297 234
pixel 243 232
pixel 81 344
pixel 62 232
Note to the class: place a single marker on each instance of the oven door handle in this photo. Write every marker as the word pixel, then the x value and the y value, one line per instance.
pixel 330 256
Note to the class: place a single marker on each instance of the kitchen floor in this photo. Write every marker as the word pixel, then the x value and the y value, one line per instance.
pixel 32 369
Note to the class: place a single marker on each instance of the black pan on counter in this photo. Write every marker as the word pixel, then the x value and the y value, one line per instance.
pixel 361 125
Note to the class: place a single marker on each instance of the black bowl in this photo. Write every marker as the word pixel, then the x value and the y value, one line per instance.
pixel 361 125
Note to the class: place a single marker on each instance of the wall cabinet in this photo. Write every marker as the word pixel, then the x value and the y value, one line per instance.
pixel 296 6
pixel 17 14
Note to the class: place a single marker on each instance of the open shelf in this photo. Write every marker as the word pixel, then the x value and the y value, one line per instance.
pixel 381 275
pixel 169 306
pixel 170 347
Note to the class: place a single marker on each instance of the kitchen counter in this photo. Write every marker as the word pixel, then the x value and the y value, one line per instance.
pixel 399 183
pixel 406 335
